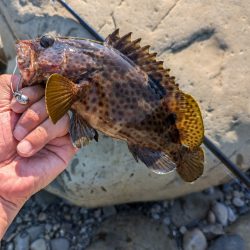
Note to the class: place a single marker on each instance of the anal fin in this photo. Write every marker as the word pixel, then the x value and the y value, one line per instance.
pixel 157 161
pixel 81 133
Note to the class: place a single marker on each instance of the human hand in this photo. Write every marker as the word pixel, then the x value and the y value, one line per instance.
pixel 33 151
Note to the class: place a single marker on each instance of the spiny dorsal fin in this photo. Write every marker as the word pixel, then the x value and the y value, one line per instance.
pixel 142 57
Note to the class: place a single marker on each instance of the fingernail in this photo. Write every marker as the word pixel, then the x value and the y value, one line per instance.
pixel 19 133
pixel 24 147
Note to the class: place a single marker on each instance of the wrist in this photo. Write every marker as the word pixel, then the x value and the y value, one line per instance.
pixel 8 212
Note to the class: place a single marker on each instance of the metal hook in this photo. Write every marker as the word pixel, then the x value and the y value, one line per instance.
pixel 20 97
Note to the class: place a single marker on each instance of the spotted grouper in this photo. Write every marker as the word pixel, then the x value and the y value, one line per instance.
pixel 118 88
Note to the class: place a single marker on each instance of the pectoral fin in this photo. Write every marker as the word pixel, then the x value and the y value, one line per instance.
pixel 157 161
pixel 60 94
pixel 80 131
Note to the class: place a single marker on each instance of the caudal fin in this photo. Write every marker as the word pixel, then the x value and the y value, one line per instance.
pixel 191 164
pixel 189 120
pixel 60 93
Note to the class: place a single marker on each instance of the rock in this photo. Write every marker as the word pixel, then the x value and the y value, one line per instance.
pixel 22 241
pixel 183 229
pixel 35 231
pixel 221 213
pixel 189 209
pixel 241 227
pixel 202 52
pixel 211 217
pixel 45 199
pixel 131 232
pixel 238 202
pixel 60 243
pixel 194 240
pixel 39 244
pixel 108 211
pixel 231 215
pixel 212 231
pixel 42 216
pixel 238 194
pixel 228 242
pixel 10 246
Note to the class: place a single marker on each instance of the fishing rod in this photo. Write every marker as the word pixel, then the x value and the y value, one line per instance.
pixel 207 142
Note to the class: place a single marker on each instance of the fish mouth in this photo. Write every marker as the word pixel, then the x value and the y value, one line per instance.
pixel 26 61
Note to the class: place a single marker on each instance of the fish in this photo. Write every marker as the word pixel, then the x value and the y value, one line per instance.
pixel 119 88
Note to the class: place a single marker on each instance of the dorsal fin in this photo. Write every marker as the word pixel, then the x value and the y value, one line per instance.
pixel 142 57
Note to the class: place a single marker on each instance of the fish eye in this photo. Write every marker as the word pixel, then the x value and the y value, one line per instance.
pixel 47 41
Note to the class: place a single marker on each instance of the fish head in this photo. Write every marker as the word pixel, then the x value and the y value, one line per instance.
pixel 39 58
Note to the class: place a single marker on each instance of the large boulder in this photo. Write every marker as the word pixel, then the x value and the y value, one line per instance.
pixel 205 43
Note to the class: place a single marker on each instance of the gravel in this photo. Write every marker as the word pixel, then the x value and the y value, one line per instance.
pixel 196 221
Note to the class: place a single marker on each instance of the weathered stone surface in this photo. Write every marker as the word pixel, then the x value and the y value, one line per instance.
pixel 208 52
pixel 131 232
pixel 242 228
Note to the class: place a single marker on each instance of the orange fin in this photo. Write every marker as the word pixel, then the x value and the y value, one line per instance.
pixel 80 131
pixel 188 118
pixel 157 161
pixel 142 57
pixel 60 94
pixel 191 165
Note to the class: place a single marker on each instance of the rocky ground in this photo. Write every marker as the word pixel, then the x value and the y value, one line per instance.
pixel 208 51
pixel 215 219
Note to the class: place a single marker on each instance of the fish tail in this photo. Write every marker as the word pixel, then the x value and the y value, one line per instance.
pixel 191 164
pixel 188 118
pixel 60 94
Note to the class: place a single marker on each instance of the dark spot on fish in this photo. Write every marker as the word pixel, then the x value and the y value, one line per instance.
pixel 170 119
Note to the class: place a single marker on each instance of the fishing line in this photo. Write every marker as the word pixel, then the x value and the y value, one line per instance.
pixel 207 142
pixel 20 97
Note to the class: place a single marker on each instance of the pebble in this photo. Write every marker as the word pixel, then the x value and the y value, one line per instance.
pixel 189 209
pixel 211 217
pixel 166 221
pixel 213 230
pixel 42 216
pixel 183 229
pixel 109 211
pixel 56 227
pixel 39 244
pixel 22 241
pixel 60 244
pixel 35 231
pixel 231 215
pixel 238 202
pixel 48 227
pixel 228 242
pixel 237 194
pixel 194 240
pixel 220 212
pixel 18 220
pixel 10 246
